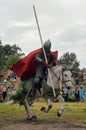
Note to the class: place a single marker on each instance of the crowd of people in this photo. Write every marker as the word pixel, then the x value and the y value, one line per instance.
pixel 7 89
pixel 76 94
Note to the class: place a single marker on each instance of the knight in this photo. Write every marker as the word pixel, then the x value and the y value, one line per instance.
pixel 33 67
pixel 42 65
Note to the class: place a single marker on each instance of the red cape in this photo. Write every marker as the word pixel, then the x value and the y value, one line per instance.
pixel 26 67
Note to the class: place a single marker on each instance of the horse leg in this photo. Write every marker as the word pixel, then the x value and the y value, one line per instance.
pixel 29 113
pixel 49 103
pixel 61 109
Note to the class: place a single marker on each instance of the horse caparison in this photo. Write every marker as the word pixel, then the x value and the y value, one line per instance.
pixel 60 75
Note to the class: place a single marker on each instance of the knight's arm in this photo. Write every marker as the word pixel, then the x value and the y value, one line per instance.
pixel 38 58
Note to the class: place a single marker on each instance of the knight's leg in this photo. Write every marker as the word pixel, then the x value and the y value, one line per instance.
pixel 38 77
pixel 61 109
pixel 34 86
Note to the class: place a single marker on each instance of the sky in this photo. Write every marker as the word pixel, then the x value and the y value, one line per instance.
pixel 61 21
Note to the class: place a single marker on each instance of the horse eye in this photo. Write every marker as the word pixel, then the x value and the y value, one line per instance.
pixel 65 75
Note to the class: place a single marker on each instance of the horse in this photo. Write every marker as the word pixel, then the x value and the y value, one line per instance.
pixel 60 75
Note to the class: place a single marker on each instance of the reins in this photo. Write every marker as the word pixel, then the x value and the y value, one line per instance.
pixel 55 74
pixel 59 76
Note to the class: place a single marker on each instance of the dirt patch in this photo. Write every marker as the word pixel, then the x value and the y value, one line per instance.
pixel 57 125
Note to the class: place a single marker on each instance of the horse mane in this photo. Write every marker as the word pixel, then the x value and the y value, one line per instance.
pixel 56 67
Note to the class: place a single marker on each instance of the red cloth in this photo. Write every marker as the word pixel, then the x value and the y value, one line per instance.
pixel 26 67
pixel 55 53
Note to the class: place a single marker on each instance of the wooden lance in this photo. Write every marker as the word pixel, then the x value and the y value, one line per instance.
pixel 43 50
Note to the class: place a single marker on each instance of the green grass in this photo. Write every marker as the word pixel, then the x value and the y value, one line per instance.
pixel 16 114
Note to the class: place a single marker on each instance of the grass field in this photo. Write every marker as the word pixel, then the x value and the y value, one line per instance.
pixel 16 114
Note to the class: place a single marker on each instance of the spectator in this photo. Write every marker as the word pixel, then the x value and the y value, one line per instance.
pixel 4 92
pixel 77 97
pixel 1 92
pixel 65 94
pixel 81 93
pixel 9 90
pixel 76 81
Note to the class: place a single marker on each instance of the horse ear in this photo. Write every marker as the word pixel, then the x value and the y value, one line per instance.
pixel 66 67
pixel 70 67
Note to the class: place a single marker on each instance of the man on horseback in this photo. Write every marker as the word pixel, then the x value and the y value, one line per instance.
pixel 32 68
pixel 41 68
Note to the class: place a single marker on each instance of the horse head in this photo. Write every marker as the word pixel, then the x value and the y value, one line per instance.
pixel 60 74
pixel 67 76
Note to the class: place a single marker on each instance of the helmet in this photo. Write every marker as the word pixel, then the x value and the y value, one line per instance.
pixel 47 45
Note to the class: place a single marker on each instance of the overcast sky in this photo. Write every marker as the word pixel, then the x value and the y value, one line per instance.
pixel 61 21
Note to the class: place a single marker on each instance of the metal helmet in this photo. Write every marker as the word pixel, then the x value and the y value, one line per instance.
pixel 47 45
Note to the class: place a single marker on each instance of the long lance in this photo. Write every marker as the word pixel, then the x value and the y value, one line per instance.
pixel 44 50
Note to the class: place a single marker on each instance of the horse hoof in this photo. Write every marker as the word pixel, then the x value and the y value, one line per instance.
pixel 43 109
pixel 58 114
pixel 31 118
pixel 50 106
pixel 34 117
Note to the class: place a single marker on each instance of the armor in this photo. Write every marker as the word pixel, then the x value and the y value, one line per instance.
pixel 41 69
pixel 47 45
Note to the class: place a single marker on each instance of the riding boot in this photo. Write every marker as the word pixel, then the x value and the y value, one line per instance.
pixel 32 92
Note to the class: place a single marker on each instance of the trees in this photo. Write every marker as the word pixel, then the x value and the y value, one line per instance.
pixel 71 60
pixel 9 53
pixel 1 56
pixel 11 50
pixel 11 59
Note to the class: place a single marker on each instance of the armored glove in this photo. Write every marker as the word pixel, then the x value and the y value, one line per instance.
pixel 46 64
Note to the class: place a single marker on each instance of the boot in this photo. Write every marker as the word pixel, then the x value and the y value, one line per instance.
pixel 32 92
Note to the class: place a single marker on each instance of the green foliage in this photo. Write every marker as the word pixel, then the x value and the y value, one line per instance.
pixel 70 59
pixel 84 69
pixel 12 59
pixel 1 57
pixel 84 84
pixel 10 50
pixel 7 51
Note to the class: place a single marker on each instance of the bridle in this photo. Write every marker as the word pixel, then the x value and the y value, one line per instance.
pixel 61 80
pixel 55 74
